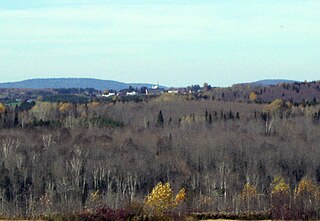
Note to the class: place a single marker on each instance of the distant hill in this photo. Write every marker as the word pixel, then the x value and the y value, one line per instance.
pixel 268 82
pixel 71 83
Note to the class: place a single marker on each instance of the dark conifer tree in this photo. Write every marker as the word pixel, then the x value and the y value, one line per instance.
pixel 160 119
pixel 16 116
pixel 210 119
pixel 231 116
pixel 206 116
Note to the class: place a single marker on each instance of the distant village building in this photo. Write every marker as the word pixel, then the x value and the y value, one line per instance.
pixel 154 91
pixel 155 87
pixel 108 95
pixel 131 93
pixel 173 91
pixel 184 91
pixel 181 91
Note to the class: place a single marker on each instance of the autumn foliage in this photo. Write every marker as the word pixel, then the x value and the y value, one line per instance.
pixel 306 186
pixel 161 200
pixel 280 197
pixel 253 96
pixel 248 194
pixel 279 187
pixel 305 197
pixel 65 107
pixel 2 108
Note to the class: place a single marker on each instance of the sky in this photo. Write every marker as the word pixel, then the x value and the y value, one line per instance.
pixel 173 42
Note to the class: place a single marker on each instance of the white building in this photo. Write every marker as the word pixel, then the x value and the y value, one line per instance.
pixel 108 95
pixel 131 93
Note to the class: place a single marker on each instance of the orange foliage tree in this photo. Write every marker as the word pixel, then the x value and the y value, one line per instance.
pixel 2 108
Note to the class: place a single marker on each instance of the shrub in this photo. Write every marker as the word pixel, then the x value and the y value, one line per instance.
pixel 106 214
pixel 264 215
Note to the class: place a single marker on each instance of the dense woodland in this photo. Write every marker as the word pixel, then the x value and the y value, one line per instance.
pixel 229 156
pixel 306 93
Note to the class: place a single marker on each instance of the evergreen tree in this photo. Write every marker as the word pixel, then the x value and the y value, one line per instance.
pixel 5 182
pixel 160 119
pixel 206 116
pixel 231 116
pixel 210 119
pixel 16 116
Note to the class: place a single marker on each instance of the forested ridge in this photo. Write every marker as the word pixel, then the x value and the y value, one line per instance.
pixel 98 84
pixel 228 156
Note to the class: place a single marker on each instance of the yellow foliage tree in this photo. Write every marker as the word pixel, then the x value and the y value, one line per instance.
pixel 274 106
pixel 44 111
pixel 280 195
pixel 2 108
pixel 306 195
pixel 180 197
pixel 248 193
pixel 253 96
pixel 306 186
pixel 162 200
pixel 277 106
pixel 275 109
pixel 94 196
pixel 279 186
pixel 65 107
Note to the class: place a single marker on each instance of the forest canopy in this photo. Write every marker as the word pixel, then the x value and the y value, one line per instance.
pixel 227 156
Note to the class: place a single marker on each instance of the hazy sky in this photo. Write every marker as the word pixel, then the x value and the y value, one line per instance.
pixel 176 43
